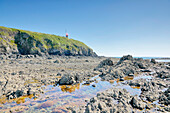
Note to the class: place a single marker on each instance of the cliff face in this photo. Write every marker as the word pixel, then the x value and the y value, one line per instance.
pixel 26 42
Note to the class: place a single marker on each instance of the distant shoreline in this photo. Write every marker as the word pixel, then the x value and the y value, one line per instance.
pixel 166 58
pixel 158 58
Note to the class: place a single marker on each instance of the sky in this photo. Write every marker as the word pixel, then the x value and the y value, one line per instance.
pixel 110 27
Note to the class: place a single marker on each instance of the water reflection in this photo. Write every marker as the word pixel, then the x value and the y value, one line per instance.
pixel 125 78
pixel 112 81
pixel 132 90
pixel 128 78
pixel 69 88
pixel 68 95
pixel 22 99
pixel 135 87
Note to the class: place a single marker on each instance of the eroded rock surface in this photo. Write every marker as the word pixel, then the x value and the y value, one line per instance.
pixel 25 74
pixel 113 100
pixel 119 100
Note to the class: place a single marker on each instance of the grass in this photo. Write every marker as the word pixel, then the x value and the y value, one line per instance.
pixel 47 40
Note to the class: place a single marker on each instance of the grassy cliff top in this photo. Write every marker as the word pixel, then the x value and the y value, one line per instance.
pixel 53 40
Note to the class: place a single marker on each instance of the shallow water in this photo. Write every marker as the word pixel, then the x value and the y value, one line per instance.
pixel 58 98
pixel 162 60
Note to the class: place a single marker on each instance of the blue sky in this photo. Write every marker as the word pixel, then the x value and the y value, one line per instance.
pixel 109 27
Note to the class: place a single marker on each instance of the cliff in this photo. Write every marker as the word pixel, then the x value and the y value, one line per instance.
pixel 26 42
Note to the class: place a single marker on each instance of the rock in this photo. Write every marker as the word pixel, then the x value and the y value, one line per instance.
pixel 87 83
pixel 66 80
pixel 101 105
pixel 30 91
pixel 121 79
pixel 146 70
pixel 126 66
pixel 107 62
pixel 127 57
pixel 49 58
pixel 58 74
pixel 161 83
pixel 56 61
pixel 13 73
pixel 114 100
pixel 148 106
pixel 107 77
pixel 140 65
pixel 164 98
pixel 130 75
pixel 153 61
pixel 168 67
pixel 152 97
pixel 136 103
pixel 167 108
pixel 19 93
pixel 136 83
pixel 93 85
pixel 21 72
pixel 86 60
pixel 163 74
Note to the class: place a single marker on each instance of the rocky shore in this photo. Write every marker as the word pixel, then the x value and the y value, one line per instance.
pixel 23 75
pixel 155 92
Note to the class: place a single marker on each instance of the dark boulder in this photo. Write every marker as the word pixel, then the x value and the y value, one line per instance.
pixel 139 65
pixel 164 98
pixel 66 80
pixel 127 57
pixel 131 75
pixel 136 103
pixel 105 62
pixel 163 74
pixel 153 61
pixel 146 70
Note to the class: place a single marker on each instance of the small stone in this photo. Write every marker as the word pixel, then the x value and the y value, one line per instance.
pixel 13 73
pixel 86 60
pixel 49 58
pixel 86 100
pixel 131 75
pixel 121 79
pixel 146 70
pixel 56 61
pixel 93 85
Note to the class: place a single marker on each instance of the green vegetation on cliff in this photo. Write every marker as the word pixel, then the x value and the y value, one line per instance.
pixel 27 42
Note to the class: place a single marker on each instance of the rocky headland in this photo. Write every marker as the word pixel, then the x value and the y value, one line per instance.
pixel 16 41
